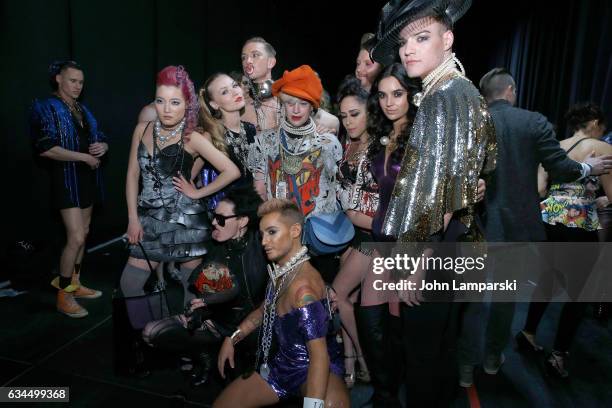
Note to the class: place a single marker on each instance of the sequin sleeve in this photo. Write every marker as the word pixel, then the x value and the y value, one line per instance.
pixel 43 129
pixel 452 142
pixel 313 320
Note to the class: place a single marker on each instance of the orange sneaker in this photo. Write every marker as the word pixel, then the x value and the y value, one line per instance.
pixel 68 306
pixel 75 288
pixel 70 288
pixel 83 292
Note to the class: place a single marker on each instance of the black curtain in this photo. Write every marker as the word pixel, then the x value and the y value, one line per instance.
pixel 559 52
pixel 121 46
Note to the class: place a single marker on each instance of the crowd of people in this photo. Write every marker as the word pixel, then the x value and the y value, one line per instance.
pixel 268 204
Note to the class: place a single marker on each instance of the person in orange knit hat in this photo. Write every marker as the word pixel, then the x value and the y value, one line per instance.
pixel 302 83
pixel 294 161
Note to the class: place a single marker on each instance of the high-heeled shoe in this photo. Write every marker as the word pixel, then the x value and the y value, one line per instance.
pixel 363 375
pixel 349 375
pixel 525 345
pixel 556 363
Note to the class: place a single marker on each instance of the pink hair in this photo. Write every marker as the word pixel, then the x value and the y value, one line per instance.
pixel 178 76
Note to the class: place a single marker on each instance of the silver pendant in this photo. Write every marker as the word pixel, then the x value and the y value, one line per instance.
pixel 417 98
pixel 292 164
pixel 281 189
pixel 264 371
pixel 384 140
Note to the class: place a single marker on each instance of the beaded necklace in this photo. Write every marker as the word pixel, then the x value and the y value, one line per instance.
pixel 448 66
pixel 171 135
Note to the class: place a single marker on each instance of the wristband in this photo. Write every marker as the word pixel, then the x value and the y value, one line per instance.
pixel 313 403
pixel 236 337
pixel 587 169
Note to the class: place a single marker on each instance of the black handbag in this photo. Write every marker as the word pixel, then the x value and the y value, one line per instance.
pixel 130 316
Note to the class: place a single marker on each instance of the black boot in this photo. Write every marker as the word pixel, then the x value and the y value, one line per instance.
pixel 378 351
pixel 201 370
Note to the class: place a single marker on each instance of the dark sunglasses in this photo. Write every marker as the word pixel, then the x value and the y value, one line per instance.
pixel 220 218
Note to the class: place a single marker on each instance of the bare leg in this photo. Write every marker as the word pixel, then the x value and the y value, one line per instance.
pixel 247 393
pixel 351 273
pixel 337 395
pixel 75 239
pixel 76 222
pixel 86 214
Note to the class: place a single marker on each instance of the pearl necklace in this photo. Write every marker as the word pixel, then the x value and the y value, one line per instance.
pixel 304 130
pixel 448 66
pixel 172 134
pixel 275 271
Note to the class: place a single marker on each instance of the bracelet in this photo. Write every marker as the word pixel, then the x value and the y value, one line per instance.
pixel 236 337
pixel 590 169
pixel 313 403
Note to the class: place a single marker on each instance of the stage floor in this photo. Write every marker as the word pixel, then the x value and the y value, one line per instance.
pixel 40 347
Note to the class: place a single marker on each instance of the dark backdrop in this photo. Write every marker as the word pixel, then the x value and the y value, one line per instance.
pixel 558 50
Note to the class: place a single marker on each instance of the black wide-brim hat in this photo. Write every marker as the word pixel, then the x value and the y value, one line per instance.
pixel 397 13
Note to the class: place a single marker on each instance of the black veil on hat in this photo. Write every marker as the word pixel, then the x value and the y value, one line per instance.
pixel 397 13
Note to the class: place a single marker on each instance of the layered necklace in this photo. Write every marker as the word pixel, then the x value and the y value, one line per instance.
pixel 171 134
pixel 286 274
pixel 238 143
pixel 259 93
pixel 154 162
pixel 291 160
pixel 448 66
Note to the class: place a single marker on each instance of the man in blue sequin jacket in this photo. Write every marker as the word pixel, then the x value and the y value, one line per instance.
pixel 65 132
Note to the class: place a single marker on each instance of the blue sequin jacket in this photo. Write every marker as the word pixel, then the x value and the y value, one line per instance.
pixel 51 125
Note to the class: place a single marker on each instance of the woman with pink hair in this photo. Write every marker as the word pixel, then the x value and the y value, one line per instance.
pixel 167 216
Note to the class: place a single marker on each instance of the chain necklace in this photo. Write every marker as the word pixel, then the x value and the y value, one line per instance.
pixel 291 161
pixel 273 293
pixel 359 151
pixel 75 109
pixel 448 66
pixel 156 173
pixel 259 93
pixel 171 135
pixel 239 143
